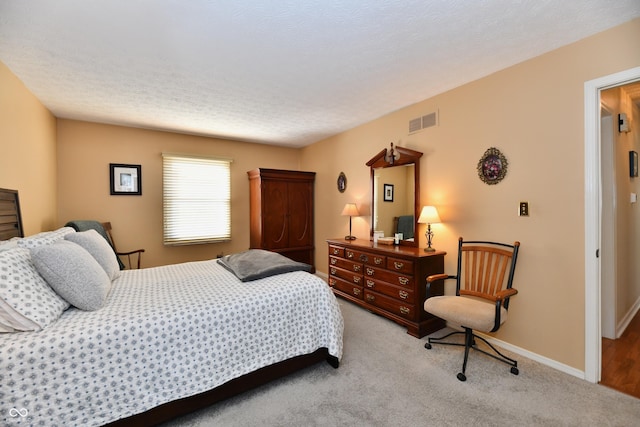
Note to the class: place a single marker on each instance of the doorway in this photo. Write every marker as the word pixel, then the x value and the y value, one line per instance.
pixel 593 218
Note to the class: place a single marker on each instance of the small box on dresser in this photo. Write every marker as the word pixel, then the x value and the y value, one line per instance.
pixel 387 280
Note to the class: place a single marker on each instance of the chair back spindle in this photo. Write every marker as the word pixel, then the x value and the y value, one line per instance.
pixel 484 269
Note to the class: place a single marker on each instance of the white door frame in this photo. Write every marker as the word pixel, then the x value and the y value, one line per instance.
pixel 592 214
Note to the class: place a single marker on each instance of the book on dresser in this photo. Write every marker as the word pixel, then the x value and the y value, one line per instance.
pixel 387 280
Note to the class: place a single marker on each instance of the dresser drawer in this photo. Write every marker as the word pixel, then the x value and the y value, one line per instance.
pixel 400 293
pixel 400 265
pixel 345 264
pixel 336 251
pixel 392 305
pixel 365 257
pixel 405 280
pixel 349 276
pixel 346 287
pixel 354 255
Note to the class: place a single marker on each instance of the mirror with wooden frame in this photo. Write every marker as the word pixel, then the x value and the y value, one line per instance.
pixel 395 193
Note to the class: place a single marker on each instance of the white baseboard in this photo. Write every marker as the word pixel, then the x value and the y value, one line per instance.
pixel 538 358
pixel 622 325
pixel 521 351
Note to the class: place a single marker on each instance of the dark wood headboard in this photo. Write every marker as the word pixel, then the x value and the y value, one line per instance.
pixel 10 218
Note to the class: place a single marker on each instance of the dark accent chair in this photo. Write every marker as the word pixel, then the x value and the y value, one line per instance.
pixel 483 287
pixel 104 229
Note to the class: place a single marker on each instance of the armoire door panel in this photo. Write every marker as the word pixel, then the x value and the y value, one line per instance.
pixel 300 209
pixel 275 212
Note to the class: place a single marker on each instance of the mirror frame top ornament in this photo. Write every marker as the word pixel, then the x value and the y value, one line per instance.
pixel 398 156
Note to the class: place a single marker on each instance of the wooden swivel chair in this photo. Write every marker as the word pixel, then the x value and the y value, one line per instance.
pixel 104 229
pixel 483 287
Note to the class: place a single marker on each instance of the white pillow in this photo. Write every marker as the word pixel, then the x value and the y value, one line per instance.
pixel 45 238
pixel 73 273
pixel 26 292
pixel 99 248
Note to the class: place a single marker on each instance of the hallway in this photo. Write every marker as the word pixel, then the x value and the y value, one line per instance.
pixel 621 360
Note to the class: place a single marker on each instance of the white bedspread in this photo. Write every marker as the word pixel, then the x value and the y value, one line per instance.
pixel 165 333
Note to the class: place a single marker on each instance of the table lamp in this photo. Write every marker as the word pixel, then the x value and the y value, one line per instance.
pixel 429 215
pixel 350 209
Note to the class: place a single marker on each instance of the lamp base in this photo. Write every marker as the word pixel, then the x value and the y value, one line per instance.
pixel 429 249
pixel 350 237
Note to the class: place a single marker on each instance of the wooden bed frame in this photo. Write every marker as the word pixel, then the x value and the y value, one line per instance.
pixel 11 226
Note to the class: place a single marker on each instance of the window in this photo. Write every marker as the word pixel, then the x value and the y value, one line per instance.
pixel 196 199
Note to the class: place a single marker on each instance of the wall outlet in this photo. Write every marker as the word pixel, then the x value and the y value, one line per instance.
pixel 523 209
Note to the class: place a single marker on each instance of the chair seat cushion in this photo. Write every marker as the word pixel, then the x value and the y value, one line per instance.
pixel 468 312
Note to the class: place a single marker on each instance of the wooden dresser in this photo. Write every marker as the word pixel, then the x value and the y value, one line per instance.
pixel 281 212
pixel 387 280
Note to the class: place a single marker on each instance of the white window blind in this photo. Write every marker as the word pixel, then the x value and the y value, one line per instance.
pixel 196 199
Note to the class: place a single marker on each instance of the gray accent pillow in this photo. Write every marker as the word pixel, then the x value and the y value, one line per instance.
pixel 73 273
pixel 95 244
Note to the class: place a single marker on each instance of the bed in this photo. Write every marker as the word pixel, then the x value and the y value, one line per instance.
pixel 166 341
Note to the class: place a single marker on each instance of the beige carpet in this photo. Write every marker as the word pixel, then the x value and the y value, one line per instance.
pixel 387 378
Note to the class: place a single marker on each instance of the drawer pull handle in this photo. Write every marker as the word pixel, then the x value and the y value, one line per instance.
pixel 364 258
pixel 404 310
pixel 403 280
pixel 377 261
pixel 356 279
pixel 349 254
pixel 403 294
pixel 333 270
pixel 398 265
pixel 332 281
pixel 357 267
pixel 370 298
pixel 333 261
pixel 336 251
pixel 356 291
pixel 370 271
pixel 371 284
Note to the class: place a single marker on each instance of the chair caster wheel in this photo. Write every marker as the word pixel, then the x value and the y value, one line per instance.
pixel 427 346
pixel 462 377
pixel 515 370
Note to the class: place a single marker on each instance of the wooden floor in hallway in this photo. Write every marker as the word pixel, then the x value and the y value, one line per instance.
pixel 621 360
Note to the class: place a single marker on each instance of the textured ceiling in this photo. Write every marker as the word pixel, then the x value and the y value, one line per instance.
pixel 275 72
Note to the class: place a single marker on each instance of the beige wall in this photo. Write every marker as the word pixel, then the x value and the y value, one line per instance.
pixel 85 151
pixel 27 152
pixel 534 113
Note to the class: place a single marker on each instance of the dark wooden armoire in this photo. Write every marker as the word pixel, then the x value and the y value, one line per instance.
pixel 281 218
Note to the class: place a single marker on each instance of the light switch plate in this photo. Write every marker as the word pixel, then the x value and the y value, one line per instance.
pixel 523 209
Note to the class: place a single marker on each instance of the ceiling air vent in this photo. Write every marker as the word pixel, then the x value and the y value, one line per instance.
pixel 423 122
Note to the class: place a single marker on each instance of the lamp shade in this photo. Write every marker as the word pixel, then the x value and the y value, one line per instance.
pixel 350 209
pixel 429 215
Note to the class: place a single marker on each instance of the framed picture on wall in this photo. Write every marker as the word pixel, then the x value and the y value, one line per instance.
pixel 125 179
pixel 633 163
pixel 388 192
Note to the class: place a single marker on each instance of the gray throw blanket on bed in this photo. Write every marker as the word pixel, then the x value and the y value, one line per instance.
pixel 257 264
